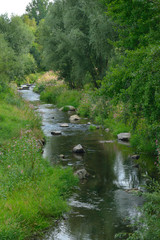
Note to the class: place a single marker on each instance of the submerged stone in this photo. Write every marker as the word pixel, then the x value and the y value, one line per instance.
pixel 78 149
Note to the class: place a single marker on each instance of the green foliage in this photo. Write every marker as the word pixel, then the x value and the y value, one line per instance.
pixel 69 97
pixel 85 106
pixel 92 127
pixel 137 21
pixel 148 224
pixel 37 9
pixel 135 82
pixel 51 94
pixel 19 36
pixel 78 47
pixel 33 77
pixel 16 39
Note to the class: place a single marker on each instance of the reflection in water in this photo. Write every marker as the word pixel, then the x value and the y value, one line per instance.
pixel 100 206
pixel 125 179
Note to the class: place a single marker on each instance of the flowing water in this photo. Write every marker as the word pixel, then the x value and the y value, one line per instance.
pixel 100 206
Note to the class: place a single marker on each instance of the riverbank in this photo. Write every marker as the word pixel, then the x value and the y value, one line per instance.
pixel 33 194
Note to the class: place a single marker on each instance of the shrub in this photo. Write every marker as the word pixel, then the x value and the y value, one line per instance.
pixel 69 97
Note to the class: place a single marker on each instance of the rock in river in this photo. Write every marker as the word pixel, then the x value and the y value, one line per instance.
pixel 74 118
pixel 67 108
pixel 64 125
pixel 135 156
pixel 124 136
pixel 82 174
pixel 56 133
pixel 78 149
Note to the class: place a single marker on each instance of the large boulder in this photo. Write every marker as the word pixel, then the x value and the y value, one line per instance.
pixel 74 118
pixel 78 149
pixel 82 174
pixel 124 136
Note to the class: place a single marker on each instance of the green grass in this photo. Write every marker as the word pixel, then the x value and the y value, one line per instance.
pixel 13 118
pixel 92 127
pixel 32 193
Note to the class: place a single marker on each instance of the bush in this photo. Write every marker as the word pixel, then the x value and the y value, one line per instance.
pixel 69 97
pixel 51 94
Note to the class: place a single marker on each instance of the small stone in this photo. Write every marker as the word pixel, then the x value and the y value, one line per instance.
pixel 64 125
pixel 56 132
pixel 82 174
pixel 88 123
pixel 78 149
pixel 61 156
pixel 107 129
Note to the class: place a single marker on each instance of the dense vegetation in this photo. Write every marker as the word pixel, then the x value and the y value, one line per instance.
pixel 107 55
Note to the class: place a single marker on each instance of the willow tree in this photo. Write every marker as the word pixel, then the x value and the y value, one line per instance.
pixel 76 40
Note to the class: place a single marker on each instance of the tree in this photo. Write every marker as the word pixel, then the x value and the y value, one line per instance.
pixel 75 40
pixel 16 39
pixel 37 9
pixel 138 21
pixel 19 36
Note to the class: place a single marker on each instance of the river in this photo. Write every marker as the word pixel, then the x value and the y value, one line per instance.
pixel 100 206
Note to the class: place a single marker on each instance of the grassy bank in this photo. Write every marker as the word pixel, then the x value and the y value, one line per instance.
pixel 32 193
